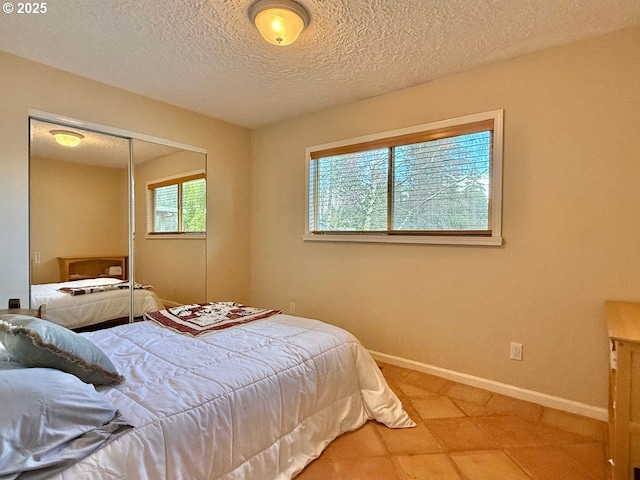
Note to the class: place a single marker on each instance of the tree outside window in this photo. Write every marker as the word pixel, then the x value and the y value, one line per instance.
pixel 178 205
pixel 429 183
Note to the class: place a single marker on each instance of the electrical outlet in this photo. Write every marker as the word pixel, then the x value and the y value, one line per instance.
pixel 516 351
pixel 292 307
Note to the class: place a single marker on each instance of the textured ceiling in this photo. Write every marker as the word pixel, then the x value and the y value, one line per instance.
pixel 95 148
pixel 206 56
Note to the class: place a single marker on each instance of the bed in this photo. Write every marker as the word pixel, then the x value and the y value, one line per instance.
pixel 258 400
pixel 76 311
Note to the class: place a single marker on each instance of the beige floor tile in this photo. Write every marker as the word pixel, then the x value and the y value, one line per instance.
pixel 374 468
pixel 501 439
pixel 587 427
pixel 392 372
pixel 396 389
pixel 512 406
pixel 489 465
pixel 437 466
pixel 590 456
pixel 473 409
pixel 409 441
pixel 459 391
pixel 426 381
pixel 320 469
pixel 459 434
pixel 436 406
pixel 557 436
pixel 413 391
pixel 363 442
pixel 408 407
pixel 548 463
pixel 508 431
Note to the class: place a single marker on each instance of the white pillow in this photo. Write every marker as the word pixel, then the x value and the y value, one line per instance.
pixel 49 420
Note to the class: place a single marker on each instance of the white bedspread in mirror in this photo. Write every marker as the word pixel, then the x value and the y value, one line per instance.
pixel 75 311
pixel 256 401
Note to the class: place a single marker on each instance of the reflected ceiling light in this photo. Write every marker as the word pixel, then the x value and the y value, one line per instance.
pixel 66 137
pixel 279 21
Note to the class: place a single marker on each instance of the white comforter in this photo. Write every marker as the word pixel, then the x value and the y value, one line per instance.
pixel 256 401
pixel 74 311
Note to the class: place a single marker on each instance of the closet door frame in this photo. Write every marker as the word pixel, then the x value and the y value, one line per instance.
pixel 129 135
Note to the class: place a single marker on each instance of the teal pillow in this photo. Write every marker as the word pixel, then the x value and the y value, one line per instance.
pixel 39 343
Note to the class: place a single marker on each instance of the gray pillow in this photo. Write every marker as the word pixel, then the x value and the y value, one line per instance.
pixel 50 420
pixel 39 343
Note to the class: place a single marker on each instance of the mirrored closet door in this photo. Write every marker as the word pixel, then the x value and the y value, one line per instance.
pixel 170 221
pixel 117 224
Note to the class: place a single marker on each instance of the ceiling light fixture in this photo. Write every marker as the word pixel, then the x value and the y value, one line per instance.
pixel 66 137
pixel 279 21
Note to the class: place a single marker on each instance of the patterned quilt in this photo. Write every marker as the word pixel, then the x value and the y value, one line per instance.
pixel 200 318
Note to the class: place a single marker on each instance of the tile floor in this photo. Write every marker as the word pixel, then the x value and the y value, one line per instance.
pixel 465 433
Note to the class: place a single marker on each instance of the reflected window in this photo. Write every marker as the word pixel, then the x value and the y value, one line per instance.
pixel 177 205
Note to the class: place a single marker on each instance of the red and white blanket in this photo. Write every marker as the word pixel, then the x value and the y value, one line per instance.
pixel 103 288
pixel 200 318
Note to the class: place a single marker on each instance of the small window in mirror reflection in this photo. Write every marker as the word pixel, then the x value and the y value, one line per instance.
pixel 178 205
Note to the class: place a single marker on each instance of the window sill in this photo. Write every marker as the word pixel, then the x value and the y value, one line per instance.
pixel 178 236
pixel 405 239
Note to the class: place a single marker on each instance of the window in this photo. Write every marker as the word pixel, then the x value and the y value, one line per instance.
pixel 178 205
pixel 435 183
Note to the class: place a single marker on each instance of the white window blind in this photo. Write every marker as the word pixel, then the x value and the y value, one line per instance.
pixel 443 185
pixel 440 181
pixel 351 191
pixel 165 209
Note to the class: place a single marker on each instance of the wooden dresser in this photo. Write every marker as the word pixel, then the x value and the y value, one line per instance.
pixel 623 325
pixel 79 268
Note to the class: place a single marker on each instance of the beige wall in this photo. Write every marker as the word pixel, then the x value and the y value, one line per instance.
pixel 174 266
pixel 76 210
pixel 571 218
pixel 27 85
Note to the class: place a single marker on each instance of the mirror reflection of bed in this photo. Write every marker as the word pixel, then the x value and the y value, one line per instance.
pixel 80 230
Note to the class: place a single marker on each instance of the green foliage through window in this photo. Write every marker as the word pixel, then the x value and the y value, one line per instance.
pixel 194 206
pixel 178 205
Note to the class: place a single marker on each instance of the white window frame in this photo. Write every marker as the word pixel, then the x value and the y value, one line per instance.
pixel 150 235
pixel 495 239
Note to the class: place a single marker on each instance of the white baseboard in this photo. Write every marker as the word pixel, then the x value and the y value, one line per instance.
pixel 543 399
